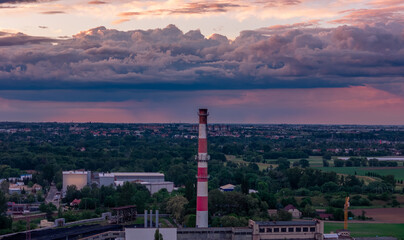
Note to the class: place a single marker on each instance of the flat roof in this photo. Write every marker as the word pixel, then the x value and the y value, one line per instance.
pixel 138 174
pixel 106 175
pixel 75 172
pixel 287 223
pixel 157 183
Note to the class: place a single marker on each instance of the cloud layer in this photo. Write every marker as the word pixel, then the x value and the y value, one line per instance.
pixel 281 57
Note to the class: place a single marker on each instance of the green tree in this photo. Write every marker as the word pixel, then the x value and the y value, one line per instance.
pixel 338 163
pixel 244 185
pixel 3 203
pixel 176 207
pixel 283 215
pixel 283 164
pixel 304 163
pixel 48 209
pixel 232 221
pixel 158 235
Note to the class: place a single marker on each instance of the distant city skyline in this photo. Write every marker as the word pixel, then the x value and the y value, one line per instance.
pixel 274 61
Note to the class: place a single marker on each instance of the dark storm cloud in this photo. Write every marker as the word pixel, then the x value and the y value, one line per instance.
pixel 97 2
pixel 168 59
pixel 21 39
pixel 53 12
pixel 17 1
pixel 23 1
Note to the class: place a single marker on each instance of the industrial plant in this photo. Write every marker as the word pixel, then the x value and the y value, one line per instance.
pixel 310 229
pixel 152 181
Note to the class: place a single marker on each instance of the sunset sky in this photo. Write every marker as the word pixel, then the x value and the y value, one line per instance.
pixel 262 61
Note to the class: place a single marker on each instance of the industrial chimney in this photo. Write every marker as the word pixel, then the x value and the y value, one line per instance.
pixel 202 184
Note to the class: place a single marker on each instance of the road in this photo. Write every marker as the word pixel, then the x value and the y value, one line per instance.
pixel 53 196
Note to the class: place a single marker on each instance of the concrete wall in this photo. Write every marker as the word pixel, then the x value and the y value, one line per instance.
pixel 106 180
pixel 154 187
pixel 148 233
pixel 214 234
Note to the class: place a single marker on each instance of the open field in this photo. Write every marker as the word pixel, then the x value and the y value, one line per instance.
pixel 398 172
pixel 315 161
pixel 368 229
pixel 386 215
pixel 238 160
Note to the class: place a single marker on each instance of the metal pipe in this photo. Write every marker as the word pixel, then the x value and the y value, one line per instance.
pixel 151 218
pixel 157 218
pixel 145 218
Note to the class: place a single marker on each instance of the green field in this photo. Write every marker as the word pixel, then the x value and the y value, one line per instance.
pixel 315 161
pixel 369 229
pixel 238 160
pixel 397 172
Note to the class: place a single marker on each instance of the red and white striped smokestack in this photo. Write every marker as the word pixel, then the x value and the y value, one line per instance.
pixel 202 185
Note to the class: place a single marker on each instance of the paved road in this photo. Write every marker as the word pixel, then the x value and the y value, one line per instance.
pixel 52 196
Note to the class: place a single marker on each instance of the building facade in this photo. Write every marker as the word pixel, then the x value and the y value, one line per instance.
pixel 287 230
pixel 77 178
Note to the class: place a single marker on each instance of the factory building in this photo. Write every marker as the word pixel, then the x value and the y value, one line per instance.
pixel 77 178
pixel 287 230
pixel 138 176
pixel 106 179
pixel 154 182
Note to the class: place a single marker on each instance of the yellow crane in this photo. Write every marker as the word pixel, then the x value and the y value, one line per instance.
pixel 346 213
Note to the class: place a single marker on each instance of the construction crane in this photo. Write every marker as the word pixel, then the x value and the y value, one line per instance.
pixel 346 213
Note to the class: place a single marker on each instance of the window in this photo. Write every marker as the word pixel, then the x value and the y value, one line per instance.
pixel 298 229
pixel 305 229
pixel 283 229
pixel 312 229
pixel 276 229
pixel 262 230
pixel 290 230
pixel 269 229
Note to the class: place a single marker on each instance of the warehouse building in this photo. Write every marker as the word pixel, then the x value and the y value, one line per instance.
pixel 77 178
pixel 287 230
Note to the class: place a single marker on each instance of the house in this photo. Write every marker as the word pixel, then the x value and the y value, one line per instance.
pixel 227 188
pixel 293 210
pixel 75 203
pixel 252 191
pixel 36 187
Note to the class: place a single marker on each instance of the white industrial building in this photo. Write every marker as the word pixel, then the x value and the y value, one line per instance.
pixel 138 176
pixel 154 187
pixel 106 179
pixel 77 178
pixel 152 181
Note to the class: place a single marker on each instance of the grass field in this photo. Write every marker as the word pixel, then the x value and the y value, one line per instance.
pixel 238 160
pixel 315 161
pixel 369 229
pixel 361 171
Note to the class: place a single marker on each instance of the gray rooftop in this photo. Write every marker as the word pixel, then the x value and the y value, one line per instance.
pixel 287 223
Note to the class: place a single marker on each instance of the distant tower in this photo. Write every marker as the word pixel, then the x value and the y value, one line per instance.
pixel 202 186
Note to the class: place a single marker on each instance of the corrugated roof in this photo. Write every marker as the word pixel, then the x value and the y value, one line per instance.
pixel 228 186
pixel 287 223
pixel 138 174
